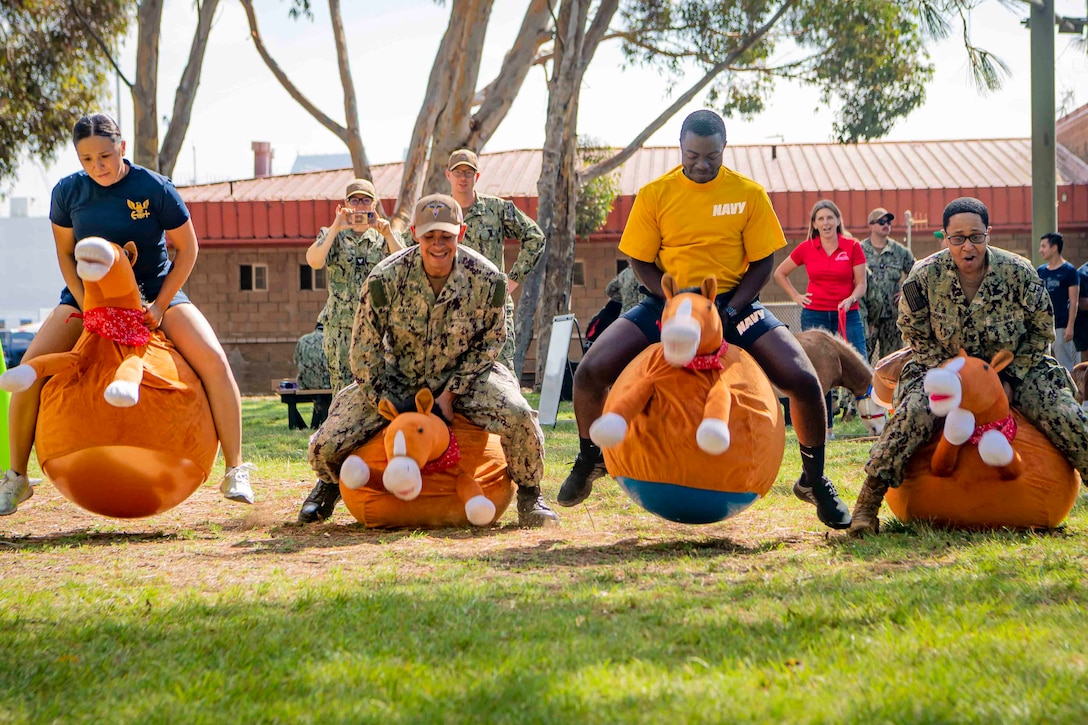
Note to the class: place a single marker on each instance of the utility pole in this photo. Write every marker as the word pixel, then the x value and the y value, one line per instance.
pixel 1044 159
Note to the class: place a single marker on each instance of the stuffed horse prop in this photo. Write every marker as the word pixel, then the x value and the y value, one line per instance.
pixel 422 473
pixel 838 364
pixel 692 429
pixel 989 467
pixel 124 427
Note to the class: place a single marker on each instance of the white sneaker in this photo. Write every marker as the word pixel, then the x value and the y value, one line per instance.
pixel 235 485
pixel 14 489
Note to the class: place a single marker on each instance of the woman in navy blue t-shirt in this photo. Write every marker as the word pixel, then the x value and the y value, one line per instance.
pixel 119 201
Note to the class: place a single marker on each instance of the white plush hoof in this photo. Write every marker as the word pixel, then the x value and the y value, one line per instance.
pixel 713 436
pixel 958 426
pixel 480 511
pixel 994 449
pixel 18 379
pixel 354 473
pixel 608 430
pixel 402 478
pixel 122 394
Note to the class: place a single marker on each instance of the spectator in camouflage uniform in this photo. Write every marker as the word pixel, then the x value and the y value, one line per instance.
pixel 433 316
pixel 350 247
pixel 983 300
pixel 490 222
pixel 313 366
pixel 889 263
pixel 624 288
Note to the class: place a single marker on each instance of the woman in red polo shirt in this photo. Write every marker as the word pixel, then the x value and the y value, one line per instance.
pixel 835 263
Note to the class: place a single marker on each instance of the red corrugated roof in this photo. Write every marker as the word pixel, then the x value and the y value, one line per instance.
pixel 877 166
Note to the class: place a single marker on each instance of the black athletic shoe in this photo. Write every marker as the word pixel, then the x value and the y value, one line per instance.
pixel 579 483
pixel 830 509
pixel 533 513
pixel 319 505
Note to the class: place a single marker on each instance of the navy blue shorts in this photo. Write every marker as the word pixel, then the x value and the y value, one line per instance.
pixel 753 320
pixel 67 298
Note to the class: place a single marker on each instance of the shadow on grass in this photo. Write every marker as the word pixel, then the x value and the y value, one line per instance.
pixel 84 537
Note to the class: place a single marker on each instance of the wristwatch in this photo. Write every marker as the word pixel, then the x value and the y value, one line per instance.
pixel 731 314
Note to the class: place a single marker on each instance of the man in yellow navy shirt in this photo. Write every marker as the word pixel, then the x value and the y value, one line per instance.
pixel 698 220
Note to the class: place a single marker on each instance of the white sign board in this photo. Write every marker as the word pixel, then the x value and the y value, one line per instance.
pixel 555 367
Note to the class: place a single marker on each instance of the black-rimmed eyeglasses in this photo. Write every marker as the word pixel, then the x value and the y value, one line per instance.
pixel 975 239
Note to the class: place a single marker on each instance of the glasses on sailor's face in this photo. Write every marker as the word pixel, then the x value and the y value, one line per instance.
pixel 959 239
pixel 465 173
pixel 882 222
pixel 364 201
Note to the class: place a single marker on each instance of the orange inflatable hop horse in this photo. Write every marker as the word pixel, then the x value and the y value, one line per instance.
pixel 989 467
pixel 431 474
pixel 692 428
pixel 124 427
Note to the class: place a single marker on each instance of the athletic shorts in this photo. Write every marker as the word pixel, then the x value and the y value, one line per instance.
pixel 67 298
pixel 753 320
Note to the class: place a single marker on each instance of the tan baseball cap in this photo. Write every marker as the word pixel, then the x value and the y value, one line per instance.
pixel 463 157
pixel 361 187
pixel 437 211
pixel 880 213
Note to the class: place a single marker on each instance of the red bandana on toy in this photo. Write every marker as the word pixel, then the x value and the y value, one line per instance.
pixel 449 459
pixel 122 325
pixel 1006 427
pixel 710 361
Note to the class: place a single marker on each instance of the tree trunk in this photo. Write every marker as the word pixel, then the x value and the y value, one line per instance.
pixel 557 189
pixel 144 104
pixel 186 92
pixel 525 319
pixel 353 133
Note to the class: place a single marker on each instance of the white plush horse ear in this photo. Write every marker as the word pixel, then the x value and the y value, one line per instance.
pixel 424 401
pixel 669 286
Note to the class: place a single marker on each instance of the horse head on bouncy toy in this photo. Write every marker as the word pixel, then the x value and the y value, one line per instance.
pixel 417 442
pixel 124 427
pixel 968 393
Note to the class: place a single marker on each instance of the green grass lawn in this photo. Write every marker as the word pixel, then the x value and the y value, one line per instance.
pixel 216 612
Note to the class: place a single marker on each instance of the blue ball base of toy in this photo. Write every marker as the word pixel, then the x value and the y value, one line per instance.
pixel 683 504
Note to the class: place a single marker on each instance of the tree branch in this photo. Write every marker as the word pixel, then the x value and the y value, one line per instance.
pixel 340 132
pixel 101 43
pixel 354 138
pixel 185 95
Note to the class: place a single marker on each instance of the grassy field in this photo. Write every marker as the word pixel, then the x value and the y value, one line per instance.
pixel 218 612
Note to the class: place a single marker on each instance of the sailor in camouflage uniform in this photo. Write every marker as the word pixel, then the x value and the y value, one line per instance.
pixel 983 300
pixel 889 263
pixel 625 289
pixel 490 222
pixel 313 366
pixel 349 251
pixel 433 315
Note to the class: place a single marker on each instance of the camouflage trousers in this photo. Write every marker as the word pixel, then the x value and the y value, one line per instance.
pixel 1044 397
pixel 506 355
pixel 495 404
pixel 337 346
pixel 882 338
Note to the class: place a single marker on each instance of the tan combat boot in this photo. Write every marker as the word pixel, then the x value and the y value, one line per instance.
pixel 866 510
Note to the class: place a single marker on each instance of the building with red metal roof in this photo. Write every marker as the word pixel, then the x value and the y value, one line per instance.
pixel 253 283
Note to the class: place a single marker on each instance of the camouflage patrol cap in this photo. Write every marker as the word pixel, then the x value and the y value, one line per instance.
pixel 437 211
pixel 463 157
pixel 360 187
pixel 880 213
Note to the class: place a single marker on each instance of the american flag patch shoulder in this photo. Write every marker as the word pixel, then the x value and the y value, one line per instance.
pixel 912 293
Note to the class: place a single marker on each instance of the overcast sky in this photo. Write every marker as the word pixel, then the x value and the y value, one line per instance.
pixel 392 49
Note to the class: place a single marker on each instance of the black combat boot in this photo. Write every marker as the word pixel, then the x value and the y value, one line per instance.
pixel 588 467
pixel 533 513
pixel 319 505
